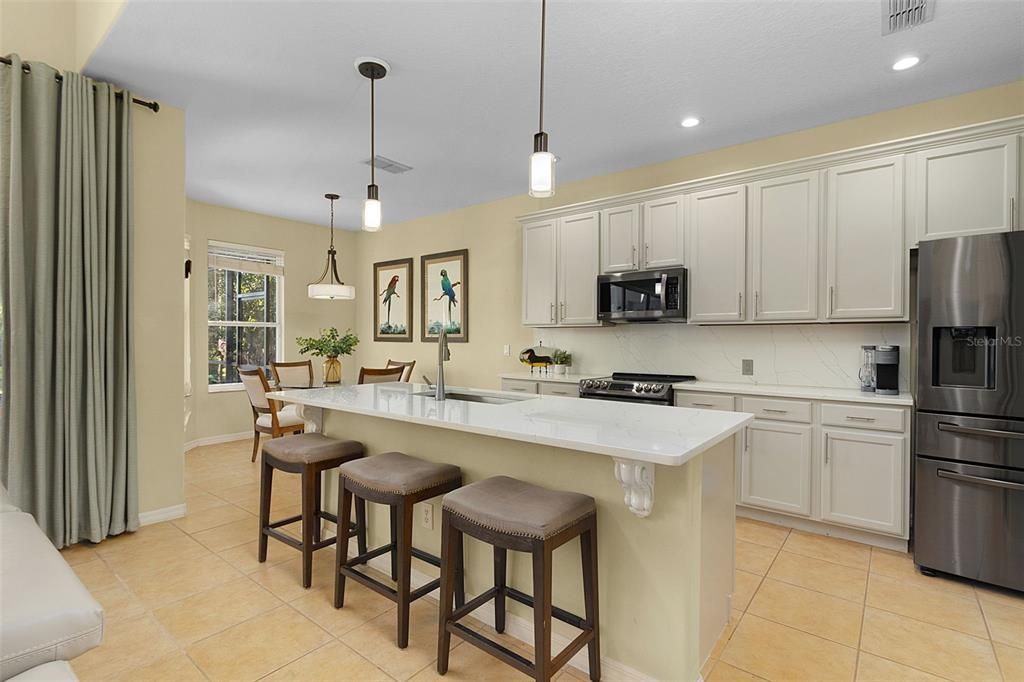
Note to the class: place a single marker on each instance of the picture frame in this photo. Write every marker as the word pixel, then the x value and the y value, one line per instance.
pixel 393 287
pixel 434 295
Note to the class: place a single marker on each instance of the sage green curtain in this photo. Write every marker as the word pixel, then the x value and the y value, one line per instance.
pixel 67 418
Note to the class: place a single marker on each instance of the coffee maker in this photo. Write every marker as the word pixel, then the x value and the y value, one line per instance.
pixel 887 370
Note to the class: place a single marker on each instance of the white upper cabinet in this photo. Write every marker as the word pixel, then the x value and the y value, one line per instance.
pixel 577 269
pixel 539 278
pixel 865 262
pixel 964 189
pixel 863 479
pixel 662 232
pixel 620 238
pixel 784 226
pixel 717 254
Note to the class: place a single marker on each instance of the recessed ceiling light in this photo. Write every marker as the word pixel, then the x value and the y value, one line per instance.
pixel 904 63
pixel 690 122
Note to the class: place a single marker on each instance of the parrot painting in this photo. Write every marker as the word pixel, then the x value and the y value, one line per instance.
pixel 390 291
pixel 448 291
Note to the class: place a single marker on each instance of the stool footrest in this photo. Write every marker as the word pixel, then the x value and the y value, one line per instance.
pixel 506 655
pixel 285 522
pixel 427 557
pixel 372 554
pixel 271 531
pixel 561 614
pixel 473 604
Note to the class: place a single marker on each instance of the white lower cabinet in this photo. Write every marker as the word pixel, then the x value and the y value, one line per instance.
pixel 775 467
pixel 864 479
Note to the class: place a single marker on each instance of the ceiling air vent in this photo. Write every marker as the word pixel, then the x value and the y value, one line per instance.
pixel 900 15
pixel 383 163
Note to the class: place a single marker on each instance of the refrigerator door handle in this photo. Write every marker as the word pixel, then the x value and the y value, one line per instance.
pixel 972 431
pixel 981 480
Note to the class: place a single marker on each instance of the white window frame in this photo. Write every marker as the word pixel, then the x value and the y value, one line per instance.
pixel 246 258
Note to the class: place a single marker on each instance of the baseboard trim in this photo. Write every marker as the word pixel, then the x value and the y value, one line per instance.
pixel 214 440
pixel 520 628
pixel 161 515
pixel 819 528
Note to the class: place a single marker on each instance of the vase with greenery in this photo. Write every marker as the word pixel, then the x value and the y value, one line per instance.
pixel 562 360
pixel 330 344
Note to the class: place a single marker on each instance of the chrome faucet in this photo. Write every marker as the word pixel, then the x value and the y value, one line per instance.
pixel 443 355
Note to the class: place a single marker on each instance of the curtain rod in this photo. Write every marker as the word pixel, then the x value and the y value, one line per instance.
pixel 155 106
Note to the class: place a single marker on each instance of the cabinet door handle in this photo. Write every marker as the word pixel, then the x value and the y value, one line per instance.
pixel 826 453
pixel 563 310
pixel 739 308
pixel 775 411
pixel 757 300
pixel 1013 213
pixel 853 418
pixel 552 312
pixel 647 254
pixel 831 299
pixel 746 439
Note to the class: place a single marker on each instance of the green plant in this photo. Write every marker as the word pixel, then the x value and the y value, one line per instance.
pixel 329 343
pixel 562 357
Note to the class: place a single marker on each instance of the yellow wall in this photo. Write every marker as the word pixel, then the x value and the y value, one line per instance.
pixel 491 233
pixel 62 33
pixel 305 249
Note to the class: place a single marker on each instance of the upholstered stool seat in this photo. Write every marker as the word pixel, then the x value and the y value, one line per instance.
pixel 513 507
pixel 309 455
pixel 400 482
pixel 312 448
pixel 511 514
pixel 399 474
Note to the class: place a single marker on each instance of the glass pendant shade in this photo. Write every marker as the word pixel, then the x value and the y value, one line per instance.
pixel 371 210
pixel 330 286
pixel 542 174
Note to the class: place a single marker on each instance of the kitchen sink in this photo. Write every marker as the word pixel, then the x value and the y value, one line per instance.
pixel 488 398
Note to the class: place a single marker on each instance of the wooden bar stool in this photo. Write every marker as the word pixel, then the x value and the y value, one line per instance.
pixel 512 514
pixel 307 454
pixel 399 481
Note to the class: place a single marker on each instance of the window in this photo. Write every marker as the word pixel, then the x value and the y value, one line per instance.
pixel 244 294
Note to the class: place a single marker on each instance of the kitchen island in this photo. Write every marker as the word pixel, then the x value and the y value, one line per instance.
pixel 665 562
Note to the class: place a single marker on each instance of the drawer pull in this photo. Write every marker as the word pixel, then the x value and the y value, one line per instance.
pixel 972 431
pixel 519 390
pixel 981 480
pixel 559 393
pixel 853 418
pixel 774 411
pixel 703 404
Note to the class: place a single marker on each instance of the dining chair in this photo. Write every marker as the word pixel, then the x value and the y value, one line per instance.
pixel 369 375
pixel 407 365
pixel 267 416
pixel 293 374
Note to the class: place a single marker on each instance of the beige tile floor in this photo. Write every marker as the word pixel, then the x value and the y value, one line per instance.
pixel 187 600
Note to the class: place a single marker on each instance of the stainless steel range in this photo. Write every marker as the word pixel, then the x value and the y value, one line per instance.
pixel 655 389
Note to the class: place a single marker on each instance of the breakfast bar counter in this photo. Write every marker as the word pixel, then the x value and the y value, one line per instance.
pixel 665 569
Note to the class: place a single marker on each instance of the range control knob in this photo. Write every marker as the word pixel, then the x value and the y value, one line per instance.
pixel 649 388
pixel 587 383
pixel 604 384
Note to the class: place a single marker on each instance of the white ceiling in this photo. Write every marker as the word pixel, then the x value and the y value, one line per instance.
pixel 277 115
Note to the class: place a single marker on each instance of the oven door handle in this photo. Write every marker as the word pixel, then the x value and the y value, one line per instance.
pixel 972 431
pixel 981 480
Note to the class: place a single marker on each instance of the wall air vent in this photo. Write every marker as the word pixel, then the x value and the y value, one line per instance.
pixel 383 163
pixel 900 15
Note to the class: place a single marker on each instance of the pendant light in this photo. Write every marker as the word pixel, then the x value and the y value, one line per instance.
pixel 374 70
pixel 330 286
pixel 542 162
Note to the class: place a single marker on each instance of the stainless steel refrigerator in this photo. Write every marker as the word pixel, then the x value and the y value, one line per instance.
pixel 969 453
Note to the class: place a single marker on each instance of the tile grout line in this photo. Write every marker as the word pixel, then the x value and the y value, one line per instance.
pixel 988 629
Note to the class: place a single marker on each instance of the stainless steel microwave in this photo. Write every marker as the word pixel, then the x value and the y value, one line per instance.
pixel 648 296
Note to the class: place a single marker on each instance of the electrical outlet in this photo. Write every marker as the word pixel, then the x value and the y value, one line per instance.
pixel 507 350
pixel 427 515
pixel 748 368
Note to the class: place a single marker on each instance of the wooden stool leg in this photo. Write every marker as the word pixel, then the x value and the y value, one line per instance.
pixel 360 525
pixel 500 570
pixel 588 550
pixel 393 512
pixel 542 610
pixel 309 519
pixel 460 572
pixel 266 484
pixel 444 638
pixel 318 492
pixel 341 554
pixel 404 570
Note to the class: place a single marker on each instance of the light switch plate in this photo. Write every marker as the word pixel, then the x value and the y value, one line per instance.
pixel 748 368
pixel 507 350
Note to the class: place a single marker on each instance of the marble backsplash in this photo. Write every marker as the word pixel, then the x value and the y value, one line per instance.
pixel 792 354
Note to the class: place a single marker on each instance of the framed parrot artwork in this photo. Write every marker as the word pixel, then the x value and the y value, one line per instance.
pixel 392 313
pixel 444 295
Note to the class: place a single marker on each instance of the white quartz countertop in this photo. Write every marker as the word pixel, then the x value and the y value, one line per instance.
pixel 738 388
pixel 645 433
